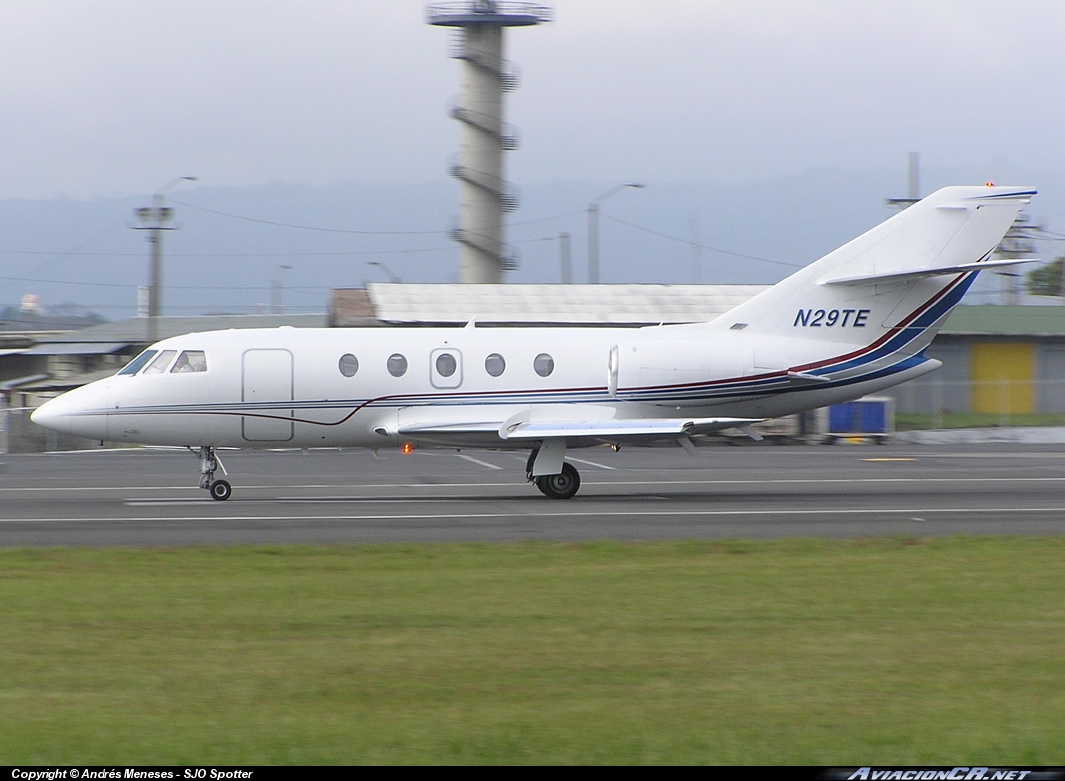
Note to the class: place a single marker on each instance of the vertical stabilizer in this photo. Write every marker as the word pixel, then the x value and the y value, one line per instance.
pixel 906 273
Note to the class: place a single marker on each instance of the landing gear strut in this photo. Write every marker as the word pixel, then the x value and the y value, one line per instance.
pixel 209 463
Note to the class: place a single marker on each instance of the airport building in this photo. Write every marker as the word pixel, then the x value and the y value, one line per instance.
pixel 1003 360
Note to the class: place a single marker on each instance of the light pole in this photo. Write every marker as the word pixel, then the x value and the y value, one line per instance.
pixel 386 271
pixel 155 219
pixel 593 229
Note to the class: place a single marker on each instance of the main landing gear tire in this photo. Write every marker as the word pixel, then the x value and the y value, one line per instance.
pixel 221 490
pixel 561 486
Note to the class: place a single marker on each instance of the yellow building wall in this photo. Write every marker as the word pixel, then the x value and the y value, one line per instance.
pixel 1003 374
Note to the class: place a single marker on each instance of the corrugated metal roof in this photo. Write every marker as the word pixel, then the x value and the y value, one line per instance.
pixel 136 330
pixel 76 348
pixel 557 303
pixel 19 381
pixel 49 383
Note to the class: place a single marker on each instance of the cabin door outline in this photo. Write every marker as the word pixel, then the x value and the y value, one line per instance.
pixel 266 381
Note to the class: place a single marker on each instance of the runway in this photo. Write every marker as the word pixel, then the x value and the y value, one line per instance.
pixel 148 497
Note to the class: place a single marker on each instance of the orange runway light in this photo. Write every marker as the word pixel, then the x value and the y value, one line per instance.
pixel 407 448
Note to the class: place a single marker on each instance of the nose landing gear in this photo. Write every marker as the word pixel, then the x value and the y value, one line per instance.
pixel 220 490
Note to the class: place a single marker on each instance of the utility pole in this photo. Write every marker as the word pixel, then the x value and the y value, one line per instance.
pixel 1017 243
pixel 693 228
pixel 913 188
pixel 565 259
pixel 277 287
pixel 155 219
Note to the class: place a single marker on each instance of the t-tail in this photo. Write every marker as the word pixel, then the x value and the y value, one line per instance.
pixel 874 304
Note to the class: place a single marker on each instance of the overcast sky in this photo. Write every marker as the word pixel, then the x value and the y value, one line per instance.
pixel 118 97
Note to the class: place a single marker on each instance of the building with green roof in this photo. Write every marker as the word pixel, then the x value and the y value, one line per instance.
pixel 996 359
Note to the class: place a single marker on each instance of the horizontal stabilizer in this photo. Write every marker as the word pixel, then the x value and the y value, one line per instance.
pixel 902 276
pixel 637 427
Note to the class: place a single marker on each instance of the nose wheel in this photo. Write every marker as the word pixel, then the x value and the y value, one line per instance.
pixel 220 490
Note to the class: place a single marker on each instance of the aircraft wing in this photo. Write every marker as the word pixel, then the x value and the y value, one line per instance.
pixel 546 422
pixel 619 429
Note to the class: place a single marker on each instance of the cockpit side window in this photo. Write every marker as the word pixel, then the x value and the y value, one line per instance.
pixel 161 362
pixel 190 361
pixel 137 363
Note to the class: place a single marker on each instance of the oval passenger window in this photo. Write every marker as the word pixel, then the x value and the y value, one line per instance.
pixel 544 364
pixel 446 364
pixel 494 364
pixel 397 365
pixel 349 364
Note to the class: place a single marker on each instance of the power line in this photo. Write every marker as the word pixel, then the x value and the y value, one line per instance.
pixel 309 227
pixel 361 232
pixel 235 309
pixel 129 286
pixel 234 254
pixel 545 219
pixel 702 246
pixel 75 249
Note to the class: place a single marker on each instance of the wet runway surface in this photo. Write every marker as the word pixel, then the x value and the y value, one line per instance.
pixel 149 497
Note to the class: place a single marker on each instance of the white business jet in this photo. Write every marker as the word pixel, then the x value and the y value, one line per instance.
pixel 854 322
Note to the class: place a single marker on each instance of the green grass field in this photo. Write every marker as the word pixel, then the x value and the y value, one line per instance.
pixel 875 651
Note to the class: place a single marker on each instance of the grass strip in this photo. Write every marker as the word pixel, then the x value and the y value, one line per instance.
pixel 796 651
pixel 916 421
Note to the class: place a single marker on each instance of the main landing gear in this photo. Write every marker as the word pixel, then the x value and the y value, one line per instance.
pixel 209 463
pixel 563 485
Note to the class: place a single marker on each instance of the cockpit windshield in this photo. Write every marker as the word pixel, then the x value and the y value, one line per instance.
pixel 188 361
pixel 137 363
pixel 161 362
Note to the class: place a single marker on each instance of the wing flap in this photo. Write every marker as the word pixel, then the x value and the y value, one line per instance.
pixel 548 422
pixel 619 429
pixel 479 427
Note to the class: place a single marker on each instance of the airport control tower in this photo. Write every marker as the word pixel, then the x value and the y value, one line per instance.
pixel 485 193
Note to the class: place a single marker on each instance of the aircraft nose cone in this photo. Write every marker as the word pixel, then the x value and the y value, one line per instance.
pixel 81 412
pixel 53 414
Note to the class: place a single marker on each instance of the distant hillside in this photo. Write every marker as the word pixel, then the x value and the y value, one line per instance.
pixel 85 251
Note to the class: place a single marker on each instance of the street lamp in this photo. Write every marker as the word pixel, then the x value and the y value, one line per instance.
pixel 155 219
pixel 386 271
pixel 593 228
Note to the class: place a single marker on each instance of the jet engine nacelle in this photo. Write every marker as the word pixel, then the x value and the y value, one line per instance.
pixel 637 367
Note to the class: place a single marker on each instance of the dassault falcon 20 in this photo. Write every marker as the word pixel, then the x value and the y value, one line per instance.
pixel 854 322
